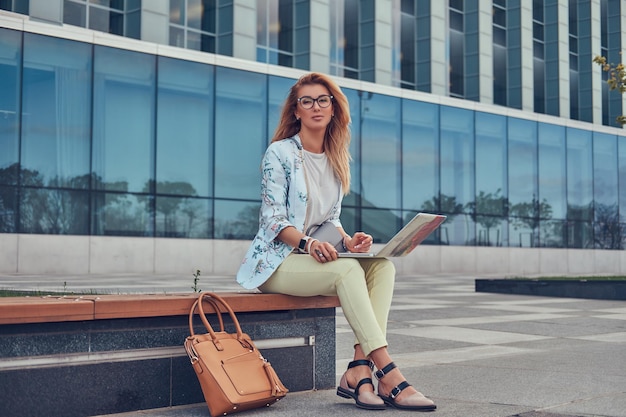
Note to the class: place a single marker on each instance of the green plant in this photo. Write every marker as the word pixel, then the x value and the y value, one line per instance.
pixel 196 279
pixel 616 81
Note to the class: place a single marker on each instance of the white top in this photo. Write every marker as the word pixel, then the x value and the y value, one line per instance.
pixel 323 187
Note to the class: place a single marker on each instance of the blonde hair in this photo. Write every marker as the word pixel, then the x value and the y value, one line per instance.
pixel 337 137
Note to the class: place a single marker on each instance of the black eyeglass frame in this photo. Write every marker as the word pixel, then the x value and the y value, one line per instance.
pixel 316 100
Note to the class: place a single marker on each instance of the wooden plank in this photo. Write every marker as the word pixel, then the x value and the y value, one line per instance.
pixel 53 309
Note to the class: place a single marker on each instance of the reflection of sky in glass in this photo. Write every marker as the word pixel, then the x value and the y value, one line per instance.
pixel 10 52
pixel 380 152
pixel 491 156
pixel 605 169
pixel 579 168
pixel 420 153
pixel 457 162
pixel 522 161
pixel 185 125
pixel 56 108
pixel 124 103
pixel 240 123
pixel 552 175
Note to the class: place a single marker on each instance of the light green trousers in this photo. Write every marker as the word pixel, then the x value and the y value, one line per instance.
pixel 364 287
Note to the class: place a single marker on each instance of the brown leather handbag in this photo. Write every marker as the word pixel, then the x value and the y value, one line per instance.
pixel 233 374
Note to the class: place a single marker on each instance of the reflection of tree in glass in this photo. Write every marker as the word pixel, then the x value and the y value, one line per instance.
pixel 488 211
pixel 528 215
pixel 608 231
pixel 244 227
pixel 171 205
pixel 443 204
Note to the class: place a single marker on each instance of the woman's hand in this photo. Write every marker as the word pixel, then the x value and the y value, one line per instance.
pixel 360 242
pixel 322 252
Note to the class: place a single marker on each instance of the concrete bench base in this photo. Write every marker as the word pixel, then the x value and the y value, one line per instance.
pixel 131 357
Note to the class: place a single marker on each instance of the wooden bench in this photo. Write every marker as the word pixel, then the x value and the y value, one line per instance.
pixel 103 354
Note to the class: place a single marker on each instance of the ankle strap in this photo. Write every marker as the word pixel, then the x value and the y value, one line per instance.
pixel 361 362
pixel 382 372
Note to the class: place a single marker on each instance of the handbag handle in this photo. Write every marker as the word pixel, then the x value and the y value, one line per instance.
pixel 216 301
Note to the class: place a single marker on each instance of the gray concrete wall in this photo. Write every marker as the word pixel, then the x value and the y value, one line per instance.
pixel 52 254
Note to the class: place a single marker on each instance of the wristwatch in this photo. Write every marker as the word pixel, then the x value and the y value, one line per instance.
pixel 302 244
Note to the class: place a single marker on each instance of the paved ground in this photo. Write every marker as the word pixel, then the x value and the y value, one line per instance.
pixel 475 354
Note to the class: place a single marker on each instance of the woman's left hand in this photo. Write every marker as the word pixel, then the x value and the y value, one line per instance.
pixel 360 242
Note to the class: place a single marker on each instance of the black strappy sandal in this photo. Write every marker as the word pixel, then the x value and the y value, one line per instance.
pixel 344 390
pixel 395 391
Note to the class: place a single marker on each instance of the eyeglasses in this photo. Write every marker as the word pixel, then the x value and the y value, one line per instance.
pixel 323 101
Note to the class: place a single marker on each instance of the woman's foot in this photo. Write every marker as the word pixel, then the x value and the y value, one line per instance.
pixel 396 392
pixel 356 383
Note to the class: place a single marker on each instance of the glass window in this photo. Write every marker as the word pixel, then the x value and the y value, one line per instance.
pixel 124 120
pixel 10 71
pixel 17 6
pixel 420 154
pixel 278 91
pixel 579 175
pixel 381 224
pixel 56 122
pixel 184 147
pixel 380 152
pixel 8 209
pixel 120 214
pixel 621 146
pixel 183 217
pixel 240 126
pixel 457 174
pixel 54 211
pixel 552 171
pixel 275 32
pixel 194 24
pixel 525 206
pixel 489 208
pixel 356 109
pixel 236 219
pixel 607 229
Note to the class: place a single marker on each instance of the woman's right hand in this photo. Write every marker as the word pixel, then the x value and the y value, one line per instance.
pixel 323 252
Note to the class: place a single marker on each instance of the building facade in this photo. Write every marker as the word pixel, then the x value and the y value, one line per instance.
pixel 131 132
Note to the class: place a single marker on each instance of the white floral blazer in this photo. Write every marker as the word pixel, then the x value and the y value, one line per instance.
pixel 283 203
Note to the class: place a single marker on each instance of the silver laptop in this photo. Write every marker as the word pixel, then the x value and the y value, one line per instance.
pixel 407 239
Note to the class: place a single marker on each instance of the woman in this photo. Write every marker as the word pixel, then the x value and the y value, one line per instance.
pixel 305 174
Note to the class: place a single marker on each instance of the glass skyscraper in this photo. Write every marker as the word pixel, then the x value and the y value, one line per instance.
pixel 145 121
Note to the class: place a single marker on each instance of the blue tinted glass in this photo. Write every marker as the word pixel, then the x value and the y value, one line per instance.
pixel 605 180
pixel 236 220
pixel 10 70
pixel 553 233
pixel 522 157
pixel 380 151
pixel 552 170
pixel 240 126
pixel 355 146
pixel 120 214
pixel 622 174
pixel 124 106
pixel 489 207
pixel 579 174
pixel 457 174
pixel 57 112
pixel 184 160
pixel 381 224
pixel 491 171
pixel 8 209
pixel 52 211
pixel 525 207
pixel 420 154
pixel 278 91
pixel 183 217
